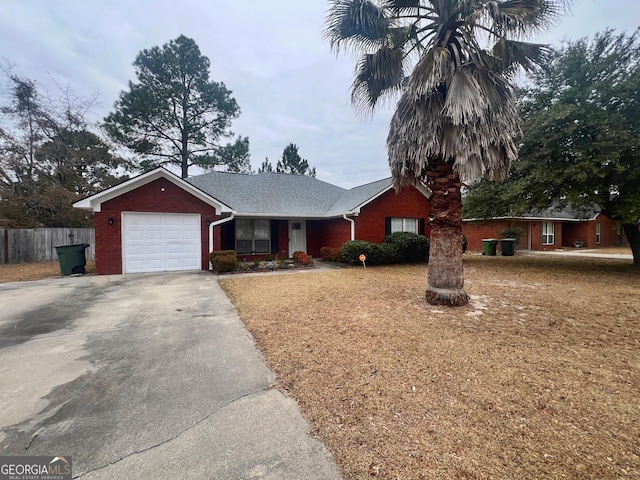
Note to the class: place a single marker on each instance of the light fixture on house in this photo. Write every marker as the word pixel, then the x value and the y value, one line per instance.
pixel 111 220
pixel 208 222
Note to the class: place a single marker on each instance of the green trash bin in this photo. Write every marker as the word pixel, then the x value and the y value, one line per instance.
pixel 508 246
pixel 489 246
pixel 72 258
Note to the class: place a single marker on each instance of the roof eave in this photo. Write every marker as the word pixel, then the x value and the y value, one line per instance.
pixel 530 219
pixel 311 216
pixel 94 202
pixel 372 198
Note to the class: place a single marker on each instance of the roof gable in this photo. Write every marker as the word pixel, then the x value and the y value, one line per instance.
pixel 94 202
pixel 353 200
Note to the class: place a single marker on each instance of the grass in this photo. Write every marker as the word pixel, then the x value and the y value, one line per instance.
pixel 34 271
pixel 538 377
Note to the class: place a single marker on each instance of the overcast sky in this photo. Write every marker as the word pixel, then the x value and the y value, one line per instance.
pixel 271 54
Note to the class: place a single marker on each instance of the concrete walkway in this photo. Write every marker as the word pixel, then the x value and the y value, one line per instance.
pixel 592 253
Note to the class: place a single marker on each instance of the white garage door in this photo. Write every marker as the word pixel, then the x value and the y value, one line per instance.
pixel 160 242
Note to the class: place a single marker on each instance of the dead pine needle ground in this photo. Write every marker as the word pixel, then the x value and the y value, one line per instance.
pixel 538 377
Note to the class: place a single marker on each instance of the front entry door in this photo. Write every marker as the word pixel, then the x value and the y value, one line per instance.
pixel 297 236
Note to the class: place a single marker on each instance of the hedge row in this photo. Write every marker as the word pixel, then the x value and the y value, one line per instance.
pixel 399 247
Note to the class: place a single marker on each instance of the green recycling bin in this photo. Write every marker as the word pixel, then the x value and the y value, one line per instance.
pixel 489 246
pixel 508 246
pixel 72 258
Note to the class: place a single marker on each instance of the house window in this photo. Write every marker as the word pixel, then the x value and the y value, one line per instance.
pixel 252 236
pixel 547 233
pixel 404 225
pixel 598 232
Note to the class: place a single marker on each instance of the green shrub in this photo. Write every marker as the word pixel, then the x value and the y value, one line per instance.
pixel 220 253
pixel 331 254
pixel 512 232
pixel 223 261
pixel 411 246
pixel 227 263
pixel 399 247
pixel 352 250
pixel 376 253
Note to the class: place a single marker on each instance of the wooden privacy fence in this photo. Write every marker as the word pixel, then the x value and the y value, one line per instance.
pixel 38 244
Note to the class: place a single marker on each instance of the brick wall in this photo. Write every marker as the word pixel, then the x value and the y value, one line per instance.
pixel 565 233
pixel 477 230
pixel 370 224
pixel 409 203
pixel 608 229
pixel 333 232
pixel 160 196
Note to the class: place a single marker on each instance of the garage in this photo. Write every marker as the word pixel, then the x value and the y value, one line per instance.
pixel 160 242
pixel 155 222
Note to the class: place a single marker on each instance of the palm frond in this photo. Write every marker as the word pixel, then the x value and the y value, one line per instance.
pixel 360 24
pixel 498 94
pixel 397 6
pixel 415 135
pixel 473 127
pixel 523 17
pixel 434 68
pixel 377 74
pixel 465 101
pixel 511 54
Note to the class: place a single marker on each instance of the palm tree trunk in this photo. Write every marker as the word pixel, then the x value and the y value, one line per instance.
pixel 632 231
pixel 446 272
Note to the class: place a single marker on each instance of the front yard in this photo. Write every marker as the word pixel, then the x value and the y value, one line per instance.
pixel 23 272
pixel 539 377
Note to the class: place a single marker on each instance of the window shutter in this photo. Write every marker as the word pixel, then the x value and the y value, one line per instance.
pixel 387 226
pixel 228 233
pixel 275 230
pixel 421 226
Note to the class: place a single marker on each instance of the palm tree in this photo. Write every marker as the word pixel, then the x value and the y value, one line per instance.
pixel 452 63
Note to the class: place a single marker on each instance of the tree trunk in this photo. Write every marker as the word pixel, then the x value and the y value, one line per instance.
pixel 632 231
pixel 184 150
pixel 446 272
pixel 185 168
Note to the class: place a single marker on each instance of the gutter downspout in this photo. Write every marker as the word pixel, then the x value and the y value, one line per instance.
pixel 214 224
pixel 353 226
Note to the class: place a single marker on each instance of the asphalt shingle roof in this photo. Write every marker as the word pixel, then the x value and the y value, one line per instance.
pixel 566 212
pixel 284 194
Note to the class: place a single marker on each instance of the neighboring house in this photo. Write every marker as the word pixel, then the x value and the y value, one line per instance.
pixel 549 229
pixel 160 222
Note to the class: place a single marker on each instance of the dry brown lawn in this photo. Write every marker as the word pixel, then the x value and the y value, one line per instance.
pixel 34 271
pixel 613 250
pixel 538 377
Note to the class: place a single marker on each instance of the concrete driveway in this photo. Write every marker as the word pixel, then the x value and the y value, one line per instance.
pixel 144 376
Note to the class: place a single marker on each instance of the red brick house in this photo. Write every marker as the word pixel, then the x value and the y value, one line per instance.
pixel 549 230
pixel 159 222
